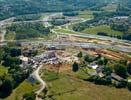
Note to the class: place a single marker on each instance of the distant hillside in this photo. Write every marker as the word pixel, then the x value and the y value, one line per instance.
pixel 17 7
pixel 10 8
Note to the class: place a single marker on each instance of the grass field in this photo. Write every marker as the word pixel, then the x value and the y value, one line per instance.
pixel 102 28
pixel 23 88
pixel 110 8
pixel 69 87
pixel 49 76
pixel 85 14
pixel 10 36
pixel 64 31
pixel 3 71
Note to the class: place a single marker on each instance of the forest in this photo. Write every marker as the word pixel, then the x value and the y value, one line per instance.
pixel 9 8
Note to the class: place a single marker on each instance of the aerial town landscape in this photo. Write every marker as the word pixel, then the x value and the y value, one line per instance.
pixel 65 50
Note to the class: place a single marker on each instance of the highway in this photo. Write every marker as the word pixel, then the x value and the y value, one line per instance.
pixel 46 20
pixel 81 44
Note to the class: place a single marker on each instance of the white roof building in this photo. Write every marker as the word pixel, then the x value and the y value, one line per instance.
pixel 93 66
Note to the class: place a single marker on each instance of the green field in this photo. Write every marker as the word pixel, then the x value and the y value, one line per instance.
pixel 110 8
pixel 85 14
pixel 23 88
pixel 3 71
pixel 64 31
pixel 102 28
pixel 49 76
pixel 10 36
pixel 68 87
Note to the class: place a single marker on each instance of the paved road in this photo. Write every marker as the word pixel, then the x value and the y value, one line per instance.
pixel 46 22
pixel 3 35
pixel 113 40
pixel 82 44
pixel 78 44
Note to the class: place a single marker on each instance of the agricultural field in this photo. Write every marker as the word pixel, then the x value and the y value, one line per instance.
pixel 102 28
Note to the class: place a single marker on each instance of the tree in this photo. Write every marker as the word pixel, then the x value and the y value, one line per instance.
pixel 29 96
pixel 129 86
pixel 120 70
pixel 129 68
pixel 102 33
pixel 15 52
pixel 70 13
pixel 100 62
pixel 121 84
pixel 79 54
pixel 120 27
pixel 124 62
pixel 11 61
pixel 105 61
pixel 107 70
pixel 88 58
pixel 1 54
pixel 6 88
pixel 75 67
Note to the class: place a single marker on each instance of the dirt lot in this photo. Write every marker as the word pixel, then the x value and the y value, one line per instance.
pixel 60 67
pixel 108 54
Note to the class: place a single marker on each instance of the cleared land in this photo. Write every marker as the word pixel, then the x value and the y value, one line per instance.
pixel 102 28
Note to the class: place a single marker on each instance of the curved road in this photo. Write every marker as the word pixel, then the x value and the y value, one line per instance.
pixel 3 35
pixel 37 76
pixel 46 22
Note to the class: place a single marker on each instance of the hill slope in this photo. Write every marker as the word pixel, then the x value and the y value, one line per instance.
pixel 10 8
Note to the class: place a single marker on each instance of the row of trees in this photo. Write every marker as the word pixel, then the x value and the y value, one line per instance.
pixel 28 17
pixel 58 22
pixel 120 27
pixel 70 13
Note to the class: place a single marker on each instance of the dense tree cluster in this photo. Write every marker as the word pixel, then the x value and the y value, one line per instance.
pixel 100 81
pixel 28 17
pixel 75 67
pixel 10 8
pixel 58 22
pixel 28 30
pixel 15 74
pixel 120 27
pixel 120 70
pixel 29 96
pixel 70 13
